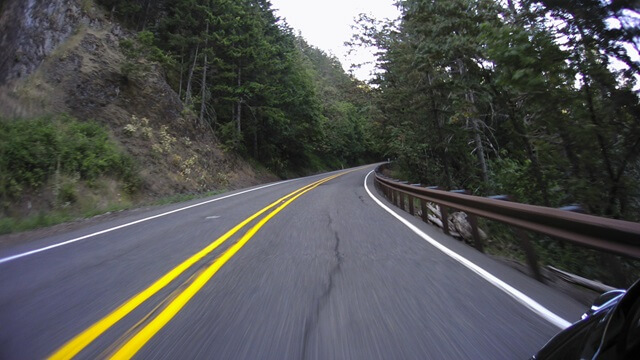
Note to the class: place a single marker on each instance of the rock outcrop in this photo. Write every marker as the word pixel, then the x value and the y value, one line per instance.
pixel 64 56
pixel 30 30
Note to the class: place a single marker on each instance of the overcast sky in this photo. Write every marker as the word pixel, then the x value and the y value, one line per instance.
pixel 327 24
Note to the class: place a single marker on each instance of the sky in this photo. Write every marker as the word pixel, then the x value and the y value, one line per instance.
pixel 327 24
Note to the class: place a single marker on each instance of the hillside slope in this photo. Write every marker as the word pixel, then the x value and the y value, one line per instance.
pixel 66 57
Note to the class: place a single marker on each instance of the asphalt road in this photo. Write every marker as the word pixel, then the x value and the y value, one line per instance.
pixel 331 275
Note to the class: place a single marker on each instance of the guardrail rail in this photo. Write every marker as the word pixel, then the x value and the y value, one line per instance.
pixel 608 235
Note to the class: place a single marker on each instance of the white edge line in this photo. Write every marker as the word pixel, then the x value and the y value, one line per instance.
pixel 508 289
pixel 18 256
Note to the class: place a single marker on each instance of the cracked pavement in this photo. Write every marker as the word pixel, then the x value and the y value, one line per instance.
pixel 332 276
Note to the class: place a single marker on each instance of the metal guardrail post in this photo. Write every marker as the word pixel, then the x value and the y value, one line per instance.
pixel 444 214
pixel 425 212
pixel 609 235
pixel 617 276
pixel 477 240
pixel 529 253
pixel 525 244
pixel 411 204
pixel 402 204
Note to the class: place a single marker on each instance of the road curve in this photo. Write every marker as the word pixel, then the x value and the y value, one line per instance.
pixel 323 273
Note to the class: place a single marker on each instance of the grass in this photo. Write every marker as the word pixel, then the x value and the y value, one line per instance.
pixel 34 151
pixel 10 225
pixel 172 199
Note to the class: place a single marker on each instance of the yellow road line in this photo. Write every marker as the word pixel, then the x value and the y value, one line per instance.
pixel 80 341
pixel 132 346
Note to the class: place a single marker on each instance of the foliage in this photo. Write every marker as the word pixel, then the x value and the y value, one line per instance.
pixel 264 92
pixel 141 53
pixel 483 95
pixel 9 225
pixel 184 197
pixel 33 151
pixel 518 98
pixel 345 127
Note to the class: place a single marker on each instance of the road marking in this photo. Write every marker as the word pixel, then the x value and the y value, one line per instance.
pixel 134 344
pixel 508 289
pixel 80 341
pixel 18 256
pixel 212 217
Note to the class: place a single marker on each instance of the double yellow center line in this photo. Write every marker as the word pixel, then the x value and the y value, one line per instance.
pixel 134 343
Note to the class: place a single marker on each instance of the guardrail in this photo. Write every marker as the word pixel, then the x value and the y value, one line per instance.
pixel 609 235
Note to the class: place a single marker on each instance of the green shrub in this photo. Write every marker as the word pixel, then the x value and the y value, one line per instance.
pixel 33 150
pixel 231 138
pixel 67 193
pixel 140 53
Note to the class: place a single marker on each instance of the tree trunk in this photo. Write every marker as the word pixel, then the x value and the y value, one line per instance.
pixel 480 149
pixel 443 150
pixel 595 121
pixel 255 142
pixel 615 192
pixel 599 128
pixel 181 74
pixel 520 127
pixel 567 144
pixel 239 103
pixel 477 133
pixel 203 93
pixel 145 15
pixel 603 147
pixel 187 98
pixel 442 145
pixel 537 171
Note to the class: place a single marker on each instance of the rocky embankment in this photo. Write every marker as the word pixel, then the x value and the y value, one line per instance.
pixel 64 56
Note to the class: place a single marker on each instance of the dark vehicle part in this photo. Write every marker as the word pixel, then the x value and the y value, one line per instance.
pixel 610 329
